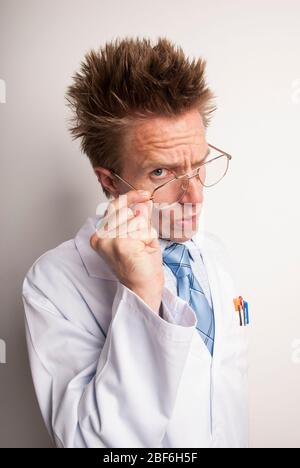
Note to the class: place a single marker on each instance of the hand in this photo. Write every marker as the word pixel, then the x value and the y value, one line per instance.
pixel 129 244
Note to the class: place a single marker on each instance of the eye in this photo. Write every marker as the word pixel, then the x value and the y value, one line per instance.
pixel 158 173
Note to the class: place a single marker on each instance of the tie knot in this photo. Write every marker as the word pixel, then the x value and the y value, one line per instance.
pixel 177 257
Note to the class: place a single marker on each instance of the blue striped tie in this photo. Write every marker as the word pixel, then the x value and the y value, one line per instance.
pixel 177 257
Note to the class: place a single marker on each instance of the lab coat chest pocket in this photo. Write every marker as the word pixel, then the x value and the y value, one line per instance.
pixel 237 339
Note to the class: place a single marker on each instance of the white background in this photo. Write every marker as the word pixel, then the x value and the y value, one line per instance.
pixel 48 188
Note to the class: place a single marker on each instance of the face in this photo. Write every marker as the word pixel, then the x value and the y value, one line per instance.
pixel 158 147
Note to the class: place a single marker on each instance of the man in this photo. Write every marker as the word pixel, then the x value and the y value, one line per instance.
pixel 132 332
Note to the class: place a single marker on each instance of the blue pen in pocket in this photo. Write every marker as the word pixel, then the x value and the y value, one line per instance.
pixel 247 312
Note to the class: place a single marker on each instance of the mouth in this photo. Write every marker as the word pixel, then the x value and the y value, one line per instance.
pixel 187 220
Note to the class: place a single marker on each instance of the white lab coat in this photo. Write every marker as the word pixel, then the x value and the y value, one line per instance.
pixel 109 372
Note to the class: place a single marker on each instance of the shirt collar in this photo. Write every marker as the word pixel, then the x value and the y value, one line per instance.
pixel 192 244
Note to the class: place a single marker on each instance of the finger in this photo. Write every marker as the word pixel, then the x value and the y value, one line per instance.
pixel 127 199
pixel 110 222
pixel 146 235
pixel 123 230
pixel 144 209
pixel 119 210
pixel 141 233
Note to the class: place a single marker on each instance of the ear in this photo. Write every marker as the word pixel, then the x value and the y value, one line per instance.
pixel 107 180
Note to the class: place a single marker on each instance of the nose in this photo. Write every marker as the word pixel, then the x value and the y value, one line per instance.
pixel 194 192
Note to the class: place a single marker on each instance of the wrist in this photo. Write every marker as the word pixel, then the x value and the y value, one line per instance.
pixel 151 299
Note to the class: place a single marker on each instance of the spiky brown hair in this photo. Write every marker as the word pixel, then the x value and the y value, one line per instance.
pixel 130 79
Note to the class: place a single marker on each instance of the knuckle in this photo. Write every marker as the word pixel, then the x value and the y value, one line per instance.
pixel 94 241
pixel 118 247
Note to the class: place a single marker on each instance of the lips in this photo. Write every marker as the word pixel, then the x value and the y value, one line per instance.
pixel 187 220
pixel 187 215
pixel 192 215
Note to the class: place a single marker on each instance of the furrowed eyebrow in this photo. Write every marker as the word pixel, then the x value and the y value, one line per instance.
pixel 167 165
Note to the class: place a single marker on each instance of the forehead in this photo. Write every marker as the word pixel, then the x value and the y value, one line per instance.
pixel 173 142
pixel 165 133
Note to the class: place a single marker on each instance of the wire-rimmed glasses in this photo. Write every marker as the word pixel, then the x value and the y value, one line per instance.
pixel 212 170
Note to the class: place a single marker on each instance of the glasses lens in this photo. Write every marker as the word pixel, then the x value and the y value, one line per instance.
pixel 210 174
pixel 171 192
pixel 213 171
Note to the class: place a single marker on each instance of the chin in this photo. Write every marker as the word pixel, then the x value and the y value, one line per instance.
pixel 181 234
pixel 182 239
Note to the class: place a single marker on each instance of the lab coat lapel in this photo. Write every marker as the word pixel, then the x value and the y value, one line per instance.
pixel 95 265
